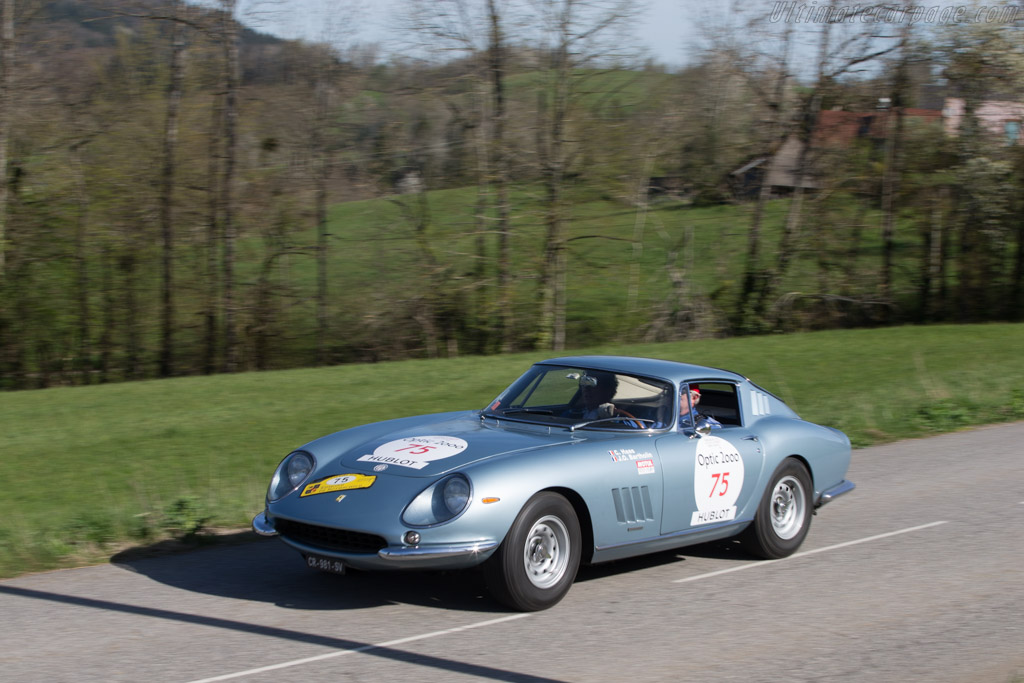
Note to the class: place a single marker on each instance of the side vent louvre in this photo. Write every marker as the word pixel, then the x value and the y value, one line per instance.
pixel 760 405
pixel 633 504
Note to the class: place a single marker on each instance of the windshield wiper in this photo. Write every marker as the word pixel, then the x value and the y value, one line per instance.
pixel 616 418
pixel 535 411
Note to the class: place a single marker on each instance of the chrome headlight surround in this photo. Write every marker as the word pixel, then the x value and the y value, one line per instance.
pixel 293 471
pixel 442 501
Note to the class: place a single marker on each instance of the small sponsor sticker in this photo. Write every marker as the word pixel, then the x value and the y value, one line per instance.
pixel 628 455
pixel 339 482
pixel 645 467
pixel 710 516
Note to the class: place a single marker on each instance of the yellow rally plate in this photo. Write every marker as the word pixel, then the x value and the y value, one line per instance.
pixel 339 482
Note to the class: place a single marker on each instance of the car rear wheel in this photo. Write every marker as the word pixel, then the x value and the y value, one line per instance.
pixel 783 517
pixel 535 565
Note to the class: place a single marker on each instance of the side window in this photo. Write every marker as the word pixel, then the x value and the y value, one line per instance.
pixel 719 400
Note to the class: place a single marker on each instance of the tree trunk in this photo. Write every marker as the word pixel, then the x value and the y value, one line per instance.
pixel 227 212
pixel 942 259
pixel 211 269
pixel 130 303
pixel 6 78
pixel 1017 285
pixel 166 365
pixel 499 165
pixel 106 341
pixel 82 352
pixel 321 173
pixel 931 254
pixel 809 120
pixel 642 204
pixel 553 279
pixel 753 272
pixel 748 307
pixel 890 189
pixel 787 245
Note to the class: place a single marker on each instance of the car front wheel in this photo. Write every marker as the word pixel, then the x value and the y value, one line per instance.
pixel 535 565
pixel 783 517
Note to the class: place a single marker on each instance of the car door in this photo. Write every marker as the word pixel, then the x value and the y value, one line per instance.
pixel 707 478
pixel 625 489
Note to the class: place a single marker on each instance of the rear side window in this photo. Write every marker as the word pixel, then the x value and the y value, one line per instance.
pixel 720 401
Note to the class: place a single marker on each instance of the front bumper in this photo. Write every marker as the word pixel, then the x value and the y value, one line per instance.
pixel 439 556
pixel 830 494
pixel 262 526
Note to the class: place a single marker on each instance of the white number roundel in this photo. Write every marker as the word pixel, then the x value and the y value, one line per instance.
pixel 717 474
pixel 423 448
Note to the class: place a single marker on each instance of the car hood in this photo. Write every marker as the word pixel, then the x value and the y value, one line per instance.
pixel 428 446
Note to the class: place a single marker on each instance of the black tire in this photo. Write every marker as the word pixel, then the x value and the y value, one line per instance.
pixel 535 565
pixel 783 517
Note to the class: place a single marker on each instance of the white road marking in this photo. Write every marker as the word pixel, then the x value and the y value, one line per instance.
pixel 365 648
pixel 491 622
pixel 764 563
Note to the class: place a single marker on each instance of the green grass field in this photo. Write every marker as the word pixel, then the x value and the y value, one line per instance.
pixel 375 269
pixel 91 469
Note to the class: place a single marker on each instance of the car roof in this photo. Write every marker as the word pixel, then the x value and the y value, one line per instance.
pixel 671 370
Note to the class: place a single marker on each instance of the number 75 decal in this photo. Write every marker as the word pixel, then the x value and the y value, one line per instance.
pixel 724 480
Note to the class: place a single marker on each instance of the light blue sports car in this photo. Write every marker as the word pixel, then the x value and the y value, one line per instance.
pixel 581 459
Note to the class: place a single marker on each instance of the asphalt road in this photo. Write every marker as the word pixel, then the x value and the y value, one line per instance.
pixel 918 575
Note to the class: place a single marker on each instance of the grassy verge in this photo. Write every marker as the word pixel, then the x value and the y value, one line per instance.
pixel 90 469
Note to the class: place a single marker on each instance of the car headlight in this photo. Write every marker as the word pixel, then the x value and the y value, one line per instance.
pixel 439 502
pixel 290 474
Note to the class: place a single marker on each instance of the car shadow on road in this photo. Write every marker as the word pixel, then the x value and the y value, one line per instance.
pixel 728 549
pixel 266 570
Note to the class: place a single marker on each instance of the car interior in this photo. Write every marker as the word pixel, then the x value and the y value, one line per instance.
pixel 719 400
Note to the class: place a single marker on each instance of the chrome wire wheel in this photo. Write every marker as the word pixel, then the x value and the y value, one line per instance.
pixel 788 507
pixel 546 551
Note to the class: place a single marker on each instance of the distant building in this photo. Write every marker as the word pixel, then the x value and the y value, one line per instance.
pixel 835 129
pixel 780 172
pixel 1000 118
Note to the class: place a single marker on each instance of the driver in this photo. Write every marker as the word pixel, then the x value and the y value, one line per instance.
pixel 597 389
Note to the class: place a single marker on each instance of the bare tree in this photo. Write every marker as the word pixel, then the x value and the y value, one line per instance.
pixel 477 30
pixel 844 47
pixel 894 155
pixel 578 39
pixel 6 78
pixel 170 139
pixel 226 209
pixel 982 63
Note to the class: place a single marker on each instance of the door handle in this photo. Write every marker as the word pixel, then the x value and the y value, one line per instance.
pixel 750 438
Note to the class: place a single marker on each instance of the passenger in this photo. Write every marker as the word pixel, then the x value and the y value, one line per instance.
pixel 688 415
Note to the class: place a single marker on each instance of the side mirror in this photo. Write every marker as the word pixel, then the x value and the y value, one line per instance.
pixel 701 430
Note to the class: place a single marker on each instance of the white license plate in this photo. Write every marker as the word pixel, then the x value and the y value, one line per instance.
pixel 325 564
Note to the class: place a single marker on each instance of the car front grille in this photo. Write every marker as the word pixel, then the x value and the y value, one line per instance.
pixel 328 538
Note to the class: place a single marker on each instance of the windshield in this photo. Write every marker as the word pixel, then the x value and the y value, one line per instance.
pixel 586 399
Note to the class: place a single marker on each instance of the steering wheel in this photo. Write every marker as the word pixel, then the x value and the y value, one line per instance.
pixel 639 421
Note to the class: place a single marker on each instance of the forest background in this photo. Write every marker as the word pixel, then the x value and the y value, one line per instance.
pixel 183 195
